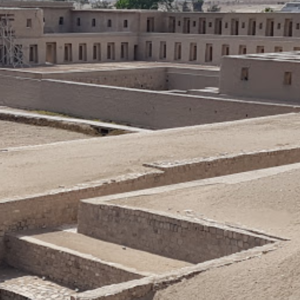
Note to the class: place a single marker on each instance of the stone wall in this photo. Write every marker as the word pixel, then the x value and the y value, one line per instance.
pixel 165 235
pixel 61 207
pixel 150 78
pixel 10 295
pixel 184 80
pixel 64 266
pixel 146 109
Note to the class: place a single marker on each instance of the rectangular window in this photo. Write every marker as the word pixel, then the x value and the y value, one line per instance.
pixel 124 50
pixel 193 51
pixel 208 53
pixel 172 24
pixel 78 21
pixel 287 80
pixel 296 48
pixel 218 26
pixel 298 26
pixel 260 49
pixel 252 27
pixel 278 49
pixel 177 51
pixel 270 27
pixel 125 24
pixel 288 27
pixel 242 49
pixel 93 22
pixel 163 50
pixel 97 51
pixel 68 53
pixel 278 26
pixel 28 23
pixel 111 51
pixel 225 50
pixel 18 54
pixel 109 23
pixel 245 74
pixel 234 27
pixel 202 26
pixel 150 24
pixel 186 25
pixel 61 21
pixel 82 52
pixel 33 53
pixel 148 49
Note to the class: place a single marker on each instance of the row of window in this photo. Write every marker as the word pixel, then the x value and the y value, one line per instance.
pixel 93 22
pixel 225 50
pixel 235 26
pixel 82 52
pixel 287 76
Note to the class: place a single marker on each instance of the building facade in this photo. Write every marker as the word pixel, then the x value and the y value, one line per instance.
pixel 54 32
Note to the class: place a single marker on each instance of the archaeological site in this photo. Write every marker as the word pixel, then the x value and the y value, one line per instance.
pixel 147 154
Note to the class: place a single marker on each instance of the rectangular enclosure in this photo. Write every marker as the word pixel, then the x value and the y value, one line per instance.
pixel 166 235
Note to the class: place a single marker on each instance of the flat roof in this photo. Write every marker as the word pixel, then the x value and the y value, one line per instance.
pixel 39 169
pixel 293 56
pixel 106 66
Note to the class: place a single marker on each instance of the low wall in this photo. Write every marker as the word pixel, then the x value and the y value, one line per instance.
pixel 61 265
pixel 61 207
pixel 10 295
pixel 219 166
pixel 149 78
pixel 185 80
pixel 161 234
pixel 139 108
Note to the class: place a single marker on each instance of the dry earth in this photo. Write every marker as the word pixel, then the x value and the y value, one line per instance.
pixel 16 134
pixel 266 200
pixel 36 169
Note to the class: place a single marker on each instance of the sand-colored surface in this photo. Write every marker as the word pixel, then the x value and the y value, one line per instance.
pixel 128 257
pixel 32 286
pixel 88 67
pixel 37 169
pixel 16 134
pixel 266 200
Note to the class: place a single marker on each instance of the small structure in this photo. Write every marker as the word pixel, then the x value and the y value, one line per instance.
pixel 272 76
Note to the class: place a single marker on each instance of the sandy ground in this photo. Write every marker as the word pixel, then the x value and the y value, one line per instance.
pixel 71 163
pixel 266 200
pixel 131 258
pixel 16 134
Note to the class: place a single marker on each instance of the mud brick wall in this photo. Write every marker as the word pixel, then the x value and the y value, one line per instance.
pixel 142 108
pixel 161 234
pixel 71 269
pixel 150 78
pixel 9 295
pixel 53 209
pixel 220 166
